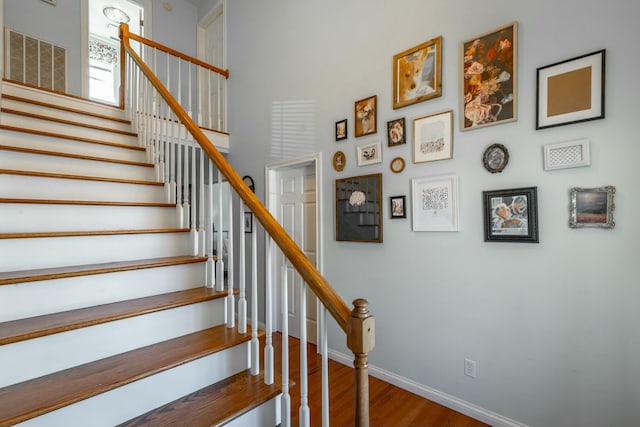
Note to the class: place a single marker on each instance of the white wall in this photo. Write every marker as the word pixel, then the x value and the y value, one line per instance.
pixel 552 326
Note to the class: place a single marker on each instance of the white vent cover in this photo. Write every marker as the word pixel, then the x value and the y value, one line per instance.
pixel 570 154
pixel 35 62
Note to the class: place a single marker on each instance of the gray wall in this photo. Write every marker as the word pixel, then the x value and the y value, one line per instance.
pixel 552 326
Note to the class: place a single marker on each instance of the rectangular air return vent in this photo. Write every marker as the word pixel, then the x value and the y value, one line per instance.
pixel 570 154
pixel 35 62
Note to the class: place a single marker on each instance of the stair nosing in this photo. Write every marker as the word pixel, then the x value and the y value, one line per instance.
pixel 79 177
pixel 49 324
pixel 25 276
pixel 85 202
pixel 153 359
pixel 74 156
pixel 65 108
pixel 66 122
pixel 48 234
pixel 71 137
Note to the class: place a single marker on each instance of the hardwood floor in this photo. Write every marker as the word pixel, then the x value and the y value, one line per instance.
pixel 390 406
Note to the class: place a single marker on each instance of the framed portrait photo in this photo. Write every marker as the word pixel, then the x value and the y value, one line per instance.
pixel 417 73
pixel 570 91
pixel 433 137
pixel 396 132
pixel 397 207
pixel 488 78
pixel 435 203
pixel 511 215
pixel 592 207
pixel 248 222
pixel 359 208
pixel 369 153
pixel 365 115
pixel 341 130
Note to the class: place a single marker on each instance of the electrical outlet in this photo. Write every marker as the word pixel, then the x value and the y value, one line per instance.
pixel 470 368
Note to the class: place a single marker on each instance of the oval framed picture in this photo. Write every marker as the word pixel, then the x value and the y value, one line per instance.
pixel 397 165
pixel 495 158
pixel 339 161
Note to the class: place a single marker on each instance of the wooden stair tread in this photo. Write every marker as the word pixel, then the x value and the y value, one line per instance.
pixel 37 235
pixel 78 177
pixel 214 405
pixel 66 122
pixel 70 137
pixel 39 326
pixel 84 202
pixel 63 108
pixel 29 399
pixel 74 156
pixel 24 276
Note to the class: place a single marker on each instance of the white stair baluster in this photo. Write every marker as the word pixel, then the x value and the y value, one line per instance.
pixel 303 413
pixel 201 224
pixel 220 246
pixel 242 267
pixel 268 296
pixel 211 267
pixel 192 201
pixel 231 312
pixel 179 189
pixel 324 350
pixel 286 398
pixel 255 343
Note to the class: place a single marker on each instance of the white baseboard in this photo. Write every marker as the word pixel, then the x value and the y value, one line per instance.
pixel 432 394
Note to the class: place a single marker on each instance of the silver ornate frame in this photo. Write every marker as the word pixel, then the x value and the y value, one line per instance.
pixel 574 220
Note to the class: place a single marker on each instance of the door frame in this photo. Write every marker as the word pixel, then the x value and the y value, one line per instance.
pixel 271 175
pixel 84 42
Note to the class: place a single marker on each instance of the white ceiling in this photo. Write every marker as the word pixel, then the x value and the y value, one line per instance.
pixel 99 24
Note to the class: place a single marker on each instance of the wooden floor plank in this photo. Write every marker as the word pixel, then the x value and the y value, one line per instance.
pixel 23 276
pixel 39 326
pixel 23 401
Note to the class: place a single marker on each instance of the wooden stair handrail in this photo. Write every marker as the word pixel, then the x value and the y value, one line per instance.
pixel 316 282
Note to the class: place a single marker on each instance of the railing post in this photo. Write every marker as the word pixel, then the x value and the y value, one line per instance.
pixel 361 340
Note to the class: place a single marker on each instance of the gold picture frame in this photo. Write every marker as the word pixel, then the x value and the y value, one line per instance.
pixel 417 73
pixel 365 115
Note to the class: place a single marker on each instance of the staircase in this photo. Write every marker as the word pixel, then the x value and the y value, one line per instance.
pixel 104 316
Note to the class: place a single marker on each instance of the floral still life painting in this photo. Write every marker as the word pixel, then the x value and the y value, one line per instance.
pixel 489 78
pixel 365 116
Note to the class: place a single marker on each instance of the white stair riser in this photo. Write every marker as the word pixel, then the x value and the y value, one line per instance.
pixel 65 115
pixel 41 356
pixel 266 415
pixel 9 119
pixel 70 293
pixel 35 187
pixel 144 395
pixel 33 253
pixel 57 164
pixel 62 145
pixel 67 101
pixel 32 218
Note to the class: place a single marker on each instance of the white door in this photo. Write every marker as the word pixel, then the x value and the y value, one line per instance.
pixel 294 206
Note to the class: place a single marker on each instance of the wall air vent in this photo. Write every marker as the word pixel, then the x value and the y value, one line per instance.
pixel 563 155
pixel 35 62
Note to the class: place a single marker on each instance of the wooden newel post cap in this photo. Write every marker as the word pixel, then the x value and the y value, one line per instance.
pixel 361 328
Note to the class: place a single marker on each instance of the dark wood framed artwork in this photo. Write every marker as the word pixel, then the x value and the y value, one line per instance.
pixel 511 215
pixel 570 91
pixel 359 208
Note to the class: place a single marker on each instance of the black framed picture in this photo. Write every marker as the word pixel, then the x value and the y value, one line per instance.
pixel 511 215
pixel 341 130
pixel 248 222
pixel 398 207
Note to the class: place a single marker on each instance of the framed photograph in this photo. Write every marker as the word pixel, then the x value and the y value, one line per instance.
pixel 395 132
pixel 488 78
pixel 435 203
pixel 341 130
pixel 495 158
pixel 369 154
pixel 339 161
pixel 359 209
pixel 592 207
pixel 511 215
pixel 397 165
pixel 397 207
pixel 417 73
pixel 570 91
pixel 433 137
pixel 365 116
pixel 248 222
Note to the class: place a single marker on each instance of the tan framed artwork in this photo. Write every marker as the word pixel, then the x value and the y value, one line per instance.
pixel 417 73
pixel 570 91
pixel 488 78
pixel 433 137
pixel 365 116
